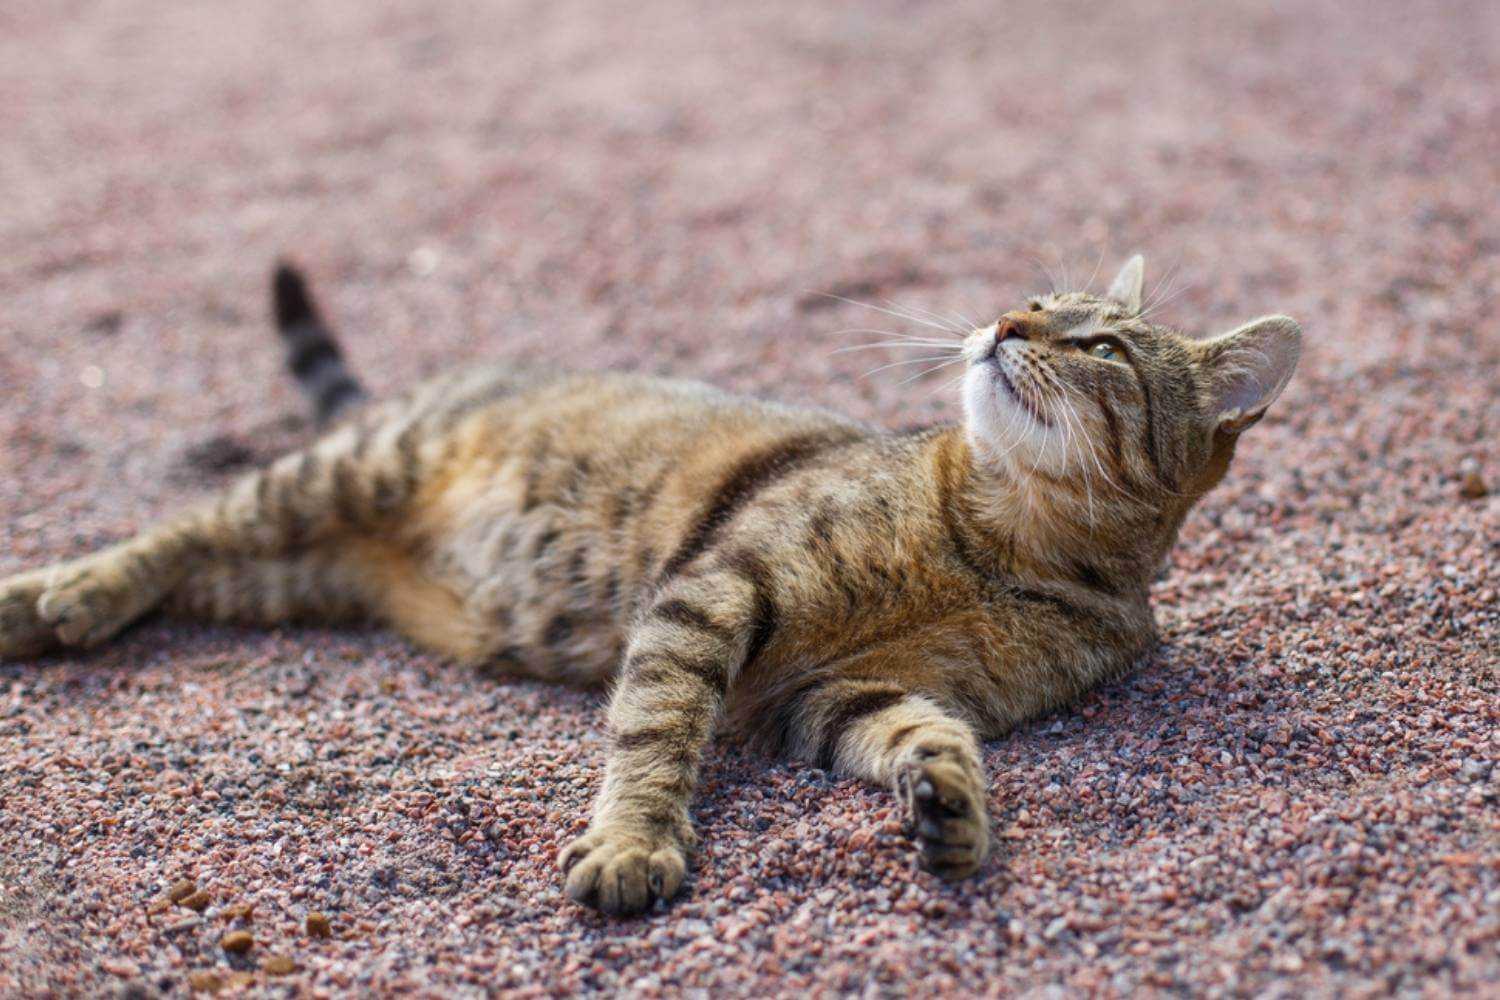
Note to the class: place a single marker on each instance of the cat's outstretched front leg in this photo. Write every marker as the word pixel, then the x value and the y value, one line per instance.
pixel 680 661
pixel 876 730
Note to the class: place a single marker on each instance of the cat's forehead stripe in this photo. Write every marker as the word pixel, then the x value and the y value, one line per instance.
pixel 1072 317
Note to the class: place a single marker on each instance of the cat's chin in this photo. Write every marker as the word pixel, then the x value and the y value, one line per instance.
pixel 1003 429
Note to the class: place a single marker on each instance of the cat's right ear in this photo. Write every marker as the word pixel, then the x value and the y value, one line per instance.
pixel 1247 368
pixel 1126 288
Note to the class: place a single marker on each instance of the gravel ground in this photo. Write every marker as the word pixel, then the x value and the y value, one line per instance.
pixel 1295 795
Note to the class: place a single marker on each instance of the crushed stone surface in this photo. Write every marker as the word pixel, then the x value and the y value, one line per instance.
pixel 1295 795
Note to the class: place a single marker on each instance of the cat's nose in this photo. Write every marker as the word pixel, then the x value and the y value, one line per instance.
pixel 1010 327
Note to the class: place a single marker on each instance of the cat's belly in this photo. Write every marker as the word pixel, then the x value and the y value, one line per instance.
pixel 538 589
pixel 552 511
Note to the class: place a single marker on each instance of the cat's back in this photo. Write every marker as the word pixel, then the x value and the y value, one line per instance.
pixel 629 452
pixel 601 413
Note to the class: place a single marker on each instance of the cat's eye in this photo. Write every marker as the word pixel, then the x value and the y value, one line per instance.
pixel 1104 351
pixel 1036 307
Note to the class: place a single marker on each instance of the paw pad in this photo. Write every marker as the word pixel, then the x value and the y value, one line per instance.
pixel 945 811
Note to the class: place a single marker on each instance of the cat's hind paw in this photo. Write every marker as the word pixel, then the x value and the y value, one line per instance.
pixel 621 871
pixel 23 631
pixel 93 600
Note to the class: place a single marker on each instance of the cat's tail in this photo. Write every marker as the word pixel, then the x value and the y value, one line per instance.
pixel 312 353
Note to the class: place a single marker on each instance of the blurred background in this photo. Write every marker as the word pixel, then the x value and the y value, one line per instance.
pixel 672 184
pixel 680 187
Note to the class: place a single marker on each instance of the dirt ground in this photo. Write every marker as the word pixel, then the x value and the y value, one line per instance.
pixel 1296 795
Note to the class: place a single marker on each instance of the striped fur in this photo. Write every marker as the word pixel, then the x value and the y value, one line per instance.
pixel 872 602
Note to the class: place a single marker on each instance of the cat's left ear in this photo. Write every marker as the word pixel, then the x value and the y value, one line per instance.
pixel 1247 368
pixel 1126 288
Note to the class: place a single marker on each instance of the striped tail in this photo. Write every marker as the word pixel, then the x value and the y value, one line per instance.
pixel 312 353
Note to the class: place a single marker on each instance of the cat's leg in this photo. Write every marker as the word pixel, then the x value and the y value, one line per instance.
pixel 351 580
pixel 680 660
pixel 352 482
pixel 317 586
pixel 876 730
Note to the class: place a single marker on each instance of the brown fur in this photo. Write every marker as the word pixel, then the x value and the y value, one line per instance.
pixel 876 603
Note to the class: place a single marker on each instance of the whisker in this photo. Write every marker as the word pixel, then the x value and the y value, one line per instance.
pixel 1013 422
pixel 1047 276
pixel 1170 275
pixel 1167 300
pixel 952 383
pixel 1070 414
pixel 918 313
pixel 1028 388
pixel 1163 287
pixel 933 344
pixel 1023 423
pixel 946 359
pixel 1020 438
pixel 1066 269
pixel 1068 399
pixel 1090 283
pixel 926 372
pixel 888 312
pixel 963 320
pixel 1047 388
pixel 901 334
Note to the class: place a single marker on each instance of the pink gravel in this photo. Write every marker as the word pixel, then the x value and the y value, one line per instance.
pixel 1295 796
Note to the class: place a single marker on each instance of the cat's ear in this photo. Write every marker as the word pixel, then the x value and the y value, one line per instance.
pixel 1247 368
pixel 1126 288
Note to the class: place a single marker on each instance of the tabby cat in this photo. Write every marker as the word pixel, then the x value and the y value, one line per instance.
pixel 871 601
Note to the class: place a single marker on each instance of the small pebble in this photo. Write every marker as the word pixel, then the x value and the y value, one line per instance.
pixel 122 967
pixel 318 925
pixel 182 890
pixel 237 942
pixel 239 911
pixel 197 901
pixel 205 982
pixel 279 965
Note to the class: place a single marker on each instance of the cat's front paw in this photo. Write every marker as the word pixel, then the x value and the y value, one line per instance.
pixel 90 601
pixel 945 808
pixel 619 870
pixel 23 632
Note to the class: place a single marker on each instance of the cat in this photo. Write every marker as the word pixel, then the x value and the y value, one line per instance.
pixel 875 602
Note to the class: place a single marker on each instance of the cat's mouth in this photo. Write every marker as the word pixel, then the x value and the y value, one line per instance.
pixel 1008 386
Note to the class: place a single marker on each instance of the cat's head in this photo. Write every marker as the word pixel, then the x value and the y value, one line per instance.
pixel 1080 388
